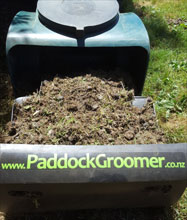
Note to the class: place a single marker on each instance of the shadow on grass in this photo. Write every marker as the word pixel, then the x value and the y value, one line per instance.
pixel 8 9
pixel 157 27
pixel 106 214
pixel 6 97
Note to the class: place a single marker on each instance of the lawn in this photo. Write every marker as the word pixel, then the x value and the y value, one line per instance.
pixel 166 83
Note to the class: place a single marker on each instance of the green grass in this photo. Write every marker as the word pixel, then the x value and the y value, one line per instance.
pixel 166 82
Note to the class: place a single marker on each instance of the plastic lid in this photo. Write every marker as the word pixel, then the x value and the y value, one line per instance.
pixel 77 15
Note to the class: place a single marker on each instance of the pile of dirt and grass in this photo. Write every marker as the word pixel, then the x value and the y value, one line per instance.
pixel 83 110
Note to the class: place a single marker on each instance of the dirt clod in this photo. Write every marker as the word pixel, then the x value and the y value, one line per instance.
pixel 12 131
pixel 129 135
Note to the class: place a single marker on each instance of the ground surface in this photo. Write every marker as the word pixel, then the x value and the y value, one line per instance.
pixel 166 83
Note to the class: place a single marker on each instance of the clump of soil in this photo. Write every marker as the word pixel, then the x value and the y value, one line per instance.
pixel 177 21
pixel 83 110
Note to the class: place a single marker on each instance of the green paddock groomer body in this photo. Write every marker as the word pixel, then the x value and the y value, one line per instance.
pixel 71 35
pixel 42 42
